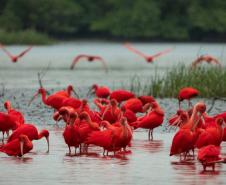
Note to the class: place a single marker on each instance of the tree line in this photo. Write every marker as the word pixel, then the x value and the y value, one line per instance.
pixel 173 20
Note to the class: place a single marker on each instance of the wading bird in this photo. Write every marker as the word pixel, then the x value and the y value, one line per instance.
pixel 209 156
pixel 14 58
pixel 186 94
pixel 89 58
pixel 205 58
pixel 148 58
pixel 18 146
pixel 31 132
pixel 184 139
pixel 99 91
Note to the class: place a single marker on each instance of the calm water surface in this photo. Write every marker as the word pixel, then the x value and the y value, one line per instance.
pixel 123 64
pixel 148 163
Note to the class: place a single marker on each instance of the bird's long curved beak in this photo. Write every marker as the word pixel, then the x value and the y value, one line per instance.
pixel 32 99
pixel 75 93
pixel 22 148
pixel 47 139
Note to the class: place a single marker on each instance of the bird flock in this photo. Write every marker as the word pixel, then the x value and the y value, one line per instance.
pixel 112 123
pixel 116 115
pixel 91 58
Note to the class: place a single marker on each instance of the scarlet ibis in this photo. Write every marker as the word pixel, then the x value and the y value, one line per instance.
pixel 14 58
pixel 187 93
pixel 14 113
pixel 146 99
pixel 212 135
pixel 31 132
pixel 55 100
pixel 184 139
pixel 209 156
pixel 71 132
pixel 148 58
pixel 100 91
pixel 67 92
pixel 112 112
pixel 152 120
pixel 134 104
pixel 206 58
pixel 7 122
pixel 121 95
pixel 18 146
pixel 89 58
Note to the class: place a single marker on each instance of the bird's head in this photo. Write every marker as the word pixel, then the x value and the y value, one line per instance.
pixel 7 105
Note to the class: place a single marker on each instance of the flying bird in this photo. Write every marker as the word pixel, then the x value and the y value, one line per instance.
pixel 89 58
pixel 205 58
pixel 148 58
pixel 14 58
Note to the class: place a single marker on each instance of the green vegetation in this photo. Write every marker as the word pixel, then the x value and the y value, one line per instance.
pixel 211 82
pixel 24 37
pixel 178 20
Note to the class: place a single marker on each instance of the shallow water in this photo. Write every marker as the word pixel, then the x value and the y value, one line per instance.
pixel 122 64
pixel 149 162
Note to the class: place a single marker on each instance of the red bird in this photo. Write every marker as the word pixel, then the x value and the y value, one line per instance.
pixel 148 58
pixel 151 120
pixel 90 58
pixel 205 58
pixel 134 104
pixel 18 146
pixel 31 132
pixel 112 112
pixel 71 132
pixel 99 91
pixel 146 99
pixel 14 58
pixel 55 100
pixel 67 92
pixel 121 95
pixel 184 139
pixel 14 113
pixel 209 156
pixel 212 135
pixel 7 122
pixel 186 94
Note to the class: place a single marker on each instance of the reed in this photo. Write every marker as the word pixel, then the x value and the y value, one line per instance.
pixel 211 82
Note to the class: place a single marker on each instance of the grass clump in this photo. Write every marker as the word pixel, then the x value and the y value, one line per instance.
pixel 211 82
pixel 25 37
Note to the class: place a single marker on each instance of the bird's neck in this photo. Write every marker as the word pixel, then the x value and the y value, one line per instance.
pixel 44 97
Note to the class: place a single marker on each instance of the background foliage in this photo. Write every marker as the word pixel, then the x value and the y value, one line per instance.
pixel 173 20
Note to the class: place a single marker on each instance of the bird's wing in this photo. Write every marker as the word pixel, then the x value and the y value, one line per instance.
pixel 76 59
pixel 6 51
pixel 129 47
pixel 196 62
pixel 24 52
pixel 162 53
pixel 214 60
pixel 103 63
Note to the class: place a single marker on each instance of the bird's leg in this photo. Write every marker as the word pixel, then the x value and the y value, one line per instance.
pixel 185 155
pixel 80 149
pixel 189 103
pixel 3 133
pixel 7 133
pixel 204 167
pixel 213 166
pixel 75 149
pixel 107 152
pixel 193 153
pixel 104 152
pixel 149 133
pixel 152 134
pixel 69 148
